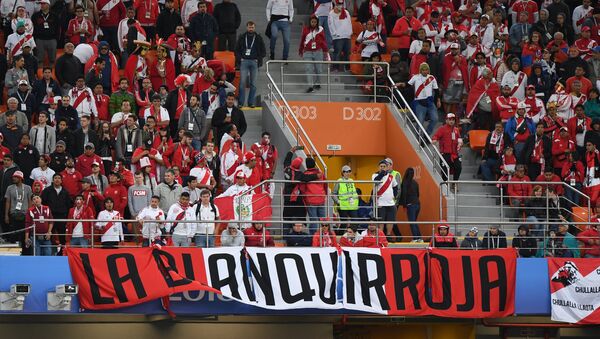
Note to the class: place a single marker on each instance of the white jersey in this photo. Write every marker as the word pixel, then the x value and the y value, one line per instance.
pixel 486 34
pixel 28 24
pixel 84 52
pixel 580 14
pixel 563 105
pixel 188 8
pixel 339 28
pixel 163 116
pixel 202 175
pixel 15 43
pixel 387 197
pixel 416 45
pixel 176 212
pixel 518 79
pixel 370 40
pixel 85 106
pixel 193 65
pixel 424 85
pixel 245 169
pixel 228 160
pixel 45 176
pixel 109 225
pixel 151 230
pixel 540 114
pixel 234 190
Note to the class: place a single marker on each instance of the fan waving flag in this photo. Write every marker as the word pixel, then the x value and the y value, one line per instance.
pixel 255 206
pixel 575 288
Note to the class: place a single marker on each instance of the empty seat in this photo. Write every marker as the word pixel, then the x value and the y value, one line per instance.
pixel 477 139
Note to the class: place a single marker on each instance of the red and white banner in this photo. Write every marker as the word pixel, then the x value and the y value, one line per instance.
pixel 446 283
pixel 575 290
pixel 255 206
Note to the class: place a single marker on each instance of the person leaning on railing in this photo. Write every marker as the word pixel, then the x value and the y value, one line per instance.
pixel 324 237
pixel 471 241
pixel 372 237
pixel 443 237
pixel 232 236
pixel 258 236
pixel 524 243
pixel 494 238
pixel 297 236
pixel 559 243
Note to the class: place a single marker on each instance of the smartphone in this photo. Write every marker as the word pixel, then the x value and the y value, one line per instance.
pixel 300 148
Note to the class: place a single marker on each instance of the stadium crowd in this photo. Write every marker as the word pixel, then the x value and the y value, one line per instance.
pixel 136 105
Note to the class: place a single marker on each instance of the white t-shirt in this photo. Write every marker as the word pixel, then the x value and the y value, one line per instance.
pixel 206 214
pixel 151 230
pixel 164 114
pixel 45 176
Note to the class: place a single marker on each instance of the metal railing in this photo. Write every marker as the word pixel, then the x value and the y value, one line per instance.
pixel 383 91
pixel 501 207
pixel 551 242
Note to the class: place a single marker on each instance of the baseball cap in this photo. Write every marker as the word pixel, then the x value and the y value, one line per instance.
pixel 454 45
pixel 530 86
pixel 521 105
pixel 23 82
pixel 586 29
pixel 248 156
pixel 389 161
pixel 61 143
pixel 44 2
pixel 240 174
pixel 20 23
pixel 18 174
pixel 86 181
pixel 564 128
pixel 95 163
pixel 450 116
pixel 346 168
pixel 474 229
pixel 89 145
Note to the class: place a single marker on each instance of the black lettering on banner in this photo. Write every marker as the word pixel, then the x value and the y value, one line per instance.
pixel 445 280
pixel 306 292
pixel 262 277
pixel 132 275
pixel 316 259
pixel 376 283
pixel 166 270
pixel 188 266
pixel 246 275
pixel 349 279
pixel 487 285
pixel 410 283
pixel 95 289
pixel 467 270
pixel 229 280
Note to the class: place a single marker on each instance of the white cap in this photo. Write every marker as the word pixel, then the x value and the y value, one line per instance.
pixel 44 2
pixel 145 161
pixel 522 105
pixel 454 45
pixel 346 168
pixel 450 116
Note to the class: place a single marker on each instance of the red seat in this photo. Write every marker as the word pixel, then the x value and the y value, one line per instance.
pixel 477 139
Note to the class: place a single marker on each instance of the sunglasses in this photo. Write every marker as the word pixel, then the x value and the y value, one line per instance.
pixel 347 171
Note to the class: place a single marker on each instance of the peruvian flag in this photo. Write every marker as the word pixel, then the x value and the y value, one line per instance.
pixel 575 288
pixel 255 206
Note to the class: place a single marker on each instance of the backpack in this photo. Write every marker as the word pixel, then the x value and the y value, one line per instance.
pixel 212 207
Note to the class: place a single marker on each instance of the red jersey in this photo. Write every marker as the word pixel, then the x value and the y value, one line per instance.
pixel 42 212
pixel 147 11
pixel 559 147
pixel 152 151
pixel 72 182
pixel 254 238
pixel 519 188
pixel 102 101
pixel 181 156
pixel 84 164
pixel 528 6
pixel 84 213
pixel 558 188
pixel 448 137
pixel 111 12
pixel 77 38
pixel 118 193
pixel 507 106
pixel 578 126
pixel 568 174
pixel 324 239
pixel 373 240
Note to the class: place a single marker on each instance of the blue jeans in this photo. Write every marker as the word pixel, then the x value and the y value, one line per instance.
pixel 197 144
pixel 535 228
pixel 201 240
pixel 430 111
pixel 412 211
pixel 488 168
pixel 313 71
pixel 180 240
pixel 248 72
pixel 323 22
pixel 79 242
pixel 284 27
pixel 314 213
pixel 43 247
pixel 519 149
pixel 341 51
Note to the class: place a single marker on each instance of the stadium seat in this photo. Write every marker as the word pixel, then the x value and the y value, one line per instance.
pixel 393 43
pixel 226 56
pixel 386 57
pixel 357 27
pixel 580 214
pixel 356 69
pixel 477 139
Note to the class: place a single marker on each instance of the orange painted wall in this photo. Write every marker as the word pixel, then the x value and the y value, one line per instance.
pixel 367 133
pixel 413 331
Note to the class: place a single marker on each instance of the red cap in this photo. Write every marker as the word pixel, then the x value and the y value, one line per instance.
pixel 586 29
pixel 18 174
pixel 249 156
pixel 240 174
pixel 530 86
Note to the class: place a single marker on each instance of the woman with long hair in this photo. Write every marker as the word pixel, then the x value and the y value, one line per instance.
pixel 313 47
pixel 409 198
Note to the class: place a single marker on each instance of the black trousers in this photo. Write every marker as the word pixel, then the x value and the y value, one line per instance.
pixel 455 167
pixel 226 42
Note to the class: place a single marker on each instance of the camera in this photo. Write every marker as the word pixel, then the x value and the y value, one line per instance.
pixel 20 289
pixel 67 289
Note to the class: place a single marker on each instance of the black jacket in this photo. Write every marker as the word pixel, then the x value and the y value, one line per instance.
pixel 228 17
pixel 298 239
pixel 58 161
pixel 70 114
pixel 409 193
pixel 67 137
pixel 530 145
pixel 291 174
pixel 527 246
pixel 39 89
pixel 166 23
pixel 494 241
pixel 29 100
pixel 258 50
pixel 237 118
pixel 79 138
pixel 6 180
pixel 490 150
pixel 12 137
pixel 567 68
pixel 59 204
pixel 172 99
pixel 26 158
pixel 39 32
pixel 68 68
pixel 203 27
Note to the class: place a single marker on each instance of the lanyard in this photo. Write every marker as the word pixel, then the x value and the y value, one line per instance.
pixel 21 98
pixel 45 16
pixel 251 44
pixel 20 199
